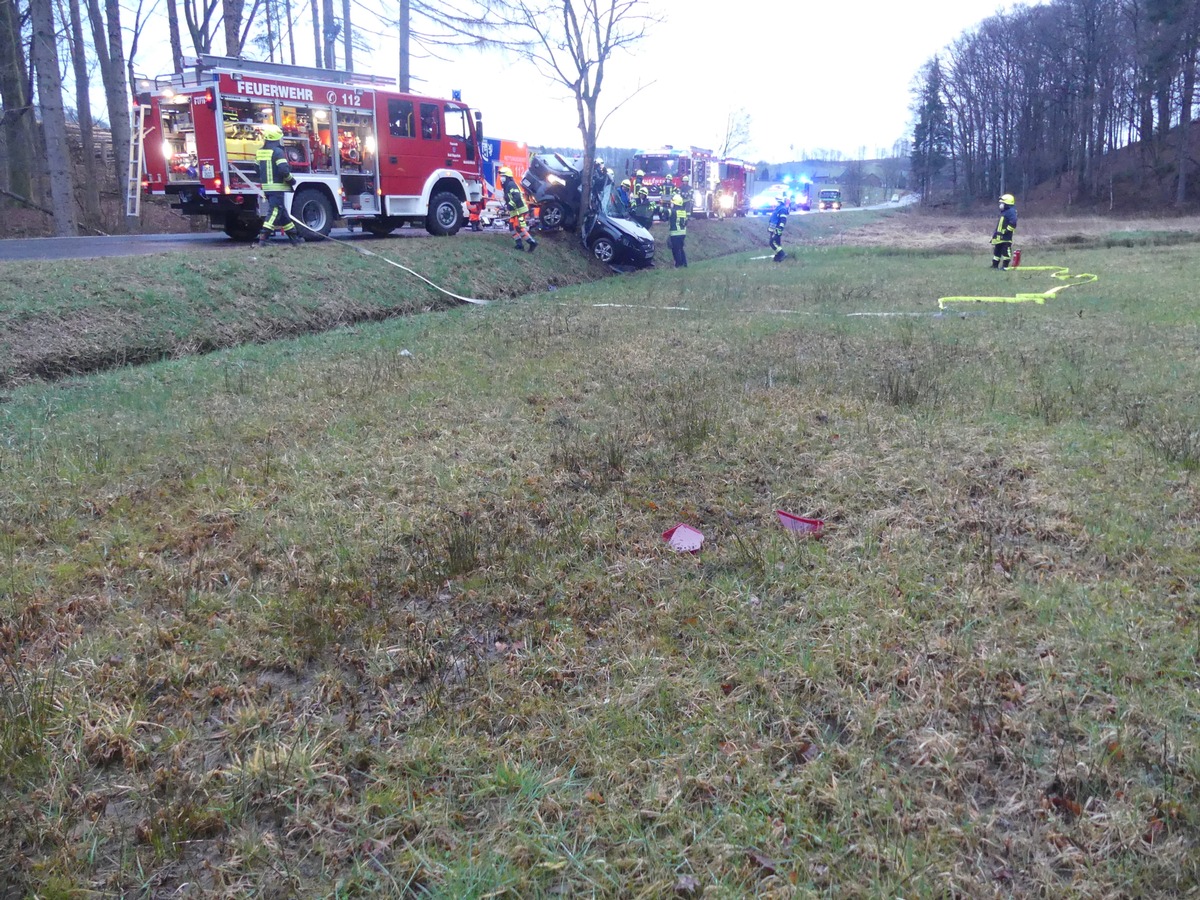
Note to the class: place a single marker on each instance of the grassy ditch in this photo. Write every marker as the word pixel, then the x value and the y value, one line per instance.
pixel 386 611
pixel 95 314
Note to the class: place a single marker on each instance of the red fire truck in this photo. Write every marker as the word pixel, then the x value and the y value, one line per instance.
pixel 360 153
pixel 666 168
pixel 732 196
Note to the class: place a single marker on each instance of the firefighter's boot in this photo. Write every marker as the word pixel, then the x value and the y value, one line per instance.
pixel 532 244
pixel 779 255
pixel 263 237
pixel 519 245
pixel 294 238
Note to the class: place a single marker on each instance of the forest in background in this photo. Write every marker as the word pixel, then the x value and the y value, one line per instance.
pixel 1082 100
pixel 1047 95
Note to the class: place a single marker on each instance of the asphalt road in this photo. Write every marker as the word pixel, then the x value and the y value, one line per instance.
pixel 143 244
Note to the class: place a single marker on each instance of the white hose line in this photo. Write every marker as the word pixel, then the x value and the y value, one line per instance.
pixel 366 252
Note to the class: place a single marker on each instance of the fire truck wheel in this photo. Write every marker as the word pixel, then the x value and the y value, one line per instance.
pixel 445 214
pixel 313 209
pixel 603 249
pixel 552 215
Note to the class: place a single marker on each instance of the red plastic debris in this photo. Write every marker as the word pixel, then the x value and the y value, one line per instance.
pixel 684 538
pixel 800 525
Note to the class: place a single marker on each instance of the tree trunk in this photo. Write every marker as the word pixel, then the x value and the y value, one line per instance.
pixel 14 95
pixel 287 10
pixel 346 40
pixel 83 104
pixel 232 10
pixel 176 40
pixel 330 36
pixel 318 45
pixel 110 55
pixel 270 22
pixel 1185 124
pixel 54 120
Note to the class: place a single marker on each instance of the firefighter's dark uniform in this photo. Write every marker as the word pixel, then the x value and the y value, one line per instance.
pixel 275 176
pixel 685 191
pixel 514 202
pixel 775 226
pixel 1002 237
pixel 643 211
pixel 677 222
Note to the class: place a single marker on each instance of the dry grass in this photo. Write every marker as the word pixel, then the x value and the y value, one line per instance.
pixel 323 619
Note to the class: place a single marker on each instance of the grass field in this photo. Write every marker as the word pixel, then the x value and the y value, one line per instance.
pixel 385 611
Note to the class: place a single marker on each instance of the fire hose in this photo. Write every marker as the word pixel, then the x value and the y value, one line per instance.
pixel 1062 273
pixel 365 252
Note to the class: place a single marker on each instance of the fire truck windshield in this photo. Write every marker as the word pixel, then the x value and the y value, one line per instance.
pixel 659 165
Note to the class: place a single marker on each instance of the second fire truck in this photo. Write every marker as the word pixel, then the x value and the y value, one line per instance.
pixel 360 153
pixel 667 167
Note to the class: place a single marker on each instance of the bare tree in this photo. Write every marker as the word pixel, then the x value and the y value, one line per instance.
pixel 199 17
pixel 108 41
pixel 176 40
pixel 44 52
pixel 737 133
pixel 15 95
pixel 572 42
pixel 83 110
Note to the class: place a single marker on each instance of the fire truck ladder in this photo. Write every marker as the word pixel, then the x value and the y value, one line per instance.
pixel 133 181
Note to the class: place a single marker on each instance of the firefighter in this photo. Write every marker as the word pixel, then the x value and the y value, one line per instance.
pixel 1002 237
pixel 775 226
pixel 276 178
pixel 624 199
pixel 686 191
pixel 643 211
pixel 638 181
pixel 514 202
pixel 677 222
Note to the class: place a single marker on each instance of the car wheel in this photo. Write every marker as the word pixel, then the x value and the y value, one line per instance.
pixel 604 249
pixel 445 214
pixel 552 215
pixel 313 210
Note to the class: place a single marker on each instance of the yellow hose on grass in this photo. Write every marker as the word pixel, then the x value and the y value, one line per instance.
pixel 1060 272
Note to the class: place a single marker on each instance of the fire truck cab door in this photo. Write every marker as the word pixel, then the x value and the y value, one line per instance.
pixel 412 146
pixel 460 148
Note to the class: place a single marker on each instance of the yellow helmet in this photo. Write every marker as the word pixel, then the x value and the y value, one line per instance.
pixel 272 133
pixel 676 199
pixel 639 173
pixel 505 171
pixel 626 183
pixel 1008 199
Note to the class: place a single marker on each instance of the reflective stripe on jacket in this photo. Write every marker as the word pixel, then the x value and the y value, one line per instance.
pixel 514 200
pixel 274 173
pixel 779 219
pixel 1007 226
pixel 678 220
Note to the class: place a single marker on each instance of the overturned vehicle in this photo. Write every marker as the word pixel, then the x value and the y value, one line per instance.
pixel 555 183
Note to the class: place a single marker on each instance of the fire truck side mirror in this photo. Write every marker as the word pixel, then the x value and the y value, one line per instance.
pixel 479 127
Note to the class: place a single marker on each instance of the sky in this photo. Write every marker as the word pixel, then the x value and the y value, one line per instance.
pixel 831 77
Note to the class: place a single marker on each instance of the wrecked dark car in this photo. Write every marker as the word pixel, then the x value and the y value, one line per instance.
pixel 554 183
pixel 614 238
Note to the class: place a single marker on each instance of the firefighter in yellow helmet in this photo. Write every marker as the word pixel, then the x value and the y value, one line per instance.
pixel 517 208
pixel 677 223
pixel 1006 228
pixel 275 176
